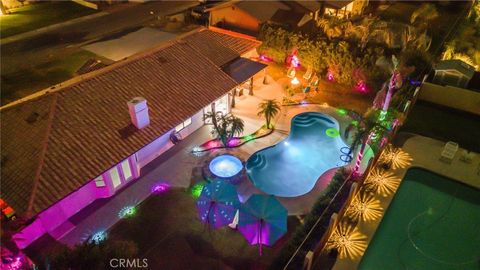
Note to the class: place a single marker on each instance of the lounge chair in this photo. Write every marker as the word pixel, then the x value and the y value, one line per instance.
pixel 449 151
pixel 467 156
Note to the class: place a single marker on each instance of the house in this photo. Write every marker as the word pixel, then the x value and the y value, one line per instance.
pixel 245 16
pixel 90 137
pixel 454 73
pixel 343 9
pixel 453 84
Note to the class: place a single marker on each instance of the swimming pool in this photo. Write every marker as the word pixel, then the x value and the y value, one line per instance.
pixel 432 223
pixel 291 167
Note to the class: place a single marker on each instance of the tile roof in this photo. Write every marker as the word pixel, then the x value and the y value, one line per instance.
pixel 261 10
pixel 54 143
pixel 219 45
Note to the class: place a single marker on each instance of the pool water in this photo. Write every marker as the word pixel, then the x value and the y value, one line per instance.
pixel 292 167
pixel 432 223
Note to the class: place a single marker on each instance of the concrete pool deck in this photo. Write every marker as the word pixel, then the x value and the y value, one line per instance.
pixel 421 152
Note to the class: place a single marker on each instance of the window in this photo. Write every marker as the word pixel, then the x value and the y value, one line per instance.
pixel 127 173
pixel 99 182
pixel 115 177
pixel 183 125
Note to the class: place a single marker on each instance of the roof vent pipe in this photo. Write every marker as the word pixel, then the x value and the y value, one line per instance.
pixel 138 109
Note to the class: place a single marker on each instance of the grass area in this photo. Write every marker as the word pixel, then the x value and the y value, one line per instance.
pixel 37 15
pixel 444 124
pixel 24 82
pixel 169 234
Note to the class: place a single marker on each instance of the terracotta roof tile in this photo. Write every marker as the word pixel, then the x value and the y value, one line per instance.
pixel 84 138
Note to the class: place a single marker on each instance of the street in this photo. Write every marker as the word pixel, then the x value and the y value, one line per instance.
pixel 36 52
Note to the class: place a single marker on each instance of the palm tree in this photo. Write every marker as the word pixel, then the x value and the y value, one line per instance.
pixel 424 14
pixel 368 128
pixel 269 108
pixel 225 126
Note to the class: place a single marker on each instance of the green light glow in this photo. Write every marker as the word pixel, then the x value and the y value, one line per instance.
pixel 355 123
pixel 197 190
pixel 332 132
pixel 249 137
pixel 341 111
pixel 382 116
pixel 127 211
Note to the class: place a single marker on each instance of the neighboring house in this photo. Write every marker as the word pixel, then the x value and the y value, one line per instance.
pixel 343 8
pixel 245 16
pixel 453 72
pixel 453 84
pixel 90 137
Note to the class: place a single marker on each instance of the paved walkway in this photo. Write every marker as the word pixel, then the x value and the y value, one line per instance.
pixel 417 151
pixel 178 166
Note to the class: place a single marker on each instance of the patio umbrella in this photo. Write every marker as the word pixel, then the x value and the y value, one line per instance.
pixel 262 220
pixel 218 203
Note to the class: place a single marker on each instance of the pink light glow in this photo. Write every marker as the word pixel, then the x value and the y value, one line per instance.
pixel 295 81
pixel 361 87
pixel 265 58
pixel 160 187
pixel 330 76
pixel 213 144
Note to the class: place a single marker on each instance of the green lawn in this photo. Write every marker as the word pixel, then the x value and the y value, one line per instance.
pixel 170 235
pixel 21 83
pixel 34 16
pixel 444 124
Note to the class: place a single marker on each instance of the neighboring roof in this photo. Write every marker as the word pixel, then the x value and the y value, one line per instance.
pixel 55 143
pixel 458 65
pixel 337 4
pixel 311 5
pixel 242 69
pixel 261 10
pixel 221 46
pixel 292 19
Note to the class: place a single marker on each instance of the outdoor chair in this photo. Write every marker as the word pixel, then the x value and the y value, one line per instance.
pixel 449 151
pixel 467 156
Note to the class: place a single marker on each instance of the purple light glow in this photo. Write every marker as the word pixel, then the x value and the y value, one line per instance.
pixel 160 188
pixel 233 142
pixel 295 61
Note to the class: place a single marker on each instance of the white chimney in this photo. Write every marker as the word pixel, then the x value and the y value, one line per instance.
pixel 138 110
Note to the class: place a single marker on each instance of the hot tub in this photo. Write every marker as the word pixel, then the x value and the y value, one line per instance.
pixel 225 166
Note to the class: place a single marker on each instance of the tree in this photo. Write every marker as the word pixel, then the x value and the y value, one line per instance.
pixel 269 109
pixel 412 64
pixel 422 16
pixel 224 126
pixel 368 128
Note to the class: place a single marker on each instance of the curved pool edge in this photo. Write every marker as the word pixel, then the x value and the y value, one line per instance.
pixel 336 124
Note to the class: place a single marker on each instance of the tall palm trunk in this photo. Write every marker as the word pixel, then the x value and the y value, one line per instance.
pixel 388 96
pixel 360 155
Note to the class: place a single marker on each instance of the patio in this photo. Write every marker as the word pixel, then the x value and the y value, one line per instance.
pixel 177 167
pixel 415 151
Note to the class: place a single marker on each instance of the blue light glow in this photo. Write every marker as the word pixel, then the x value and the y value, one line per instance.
pixel 225 166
